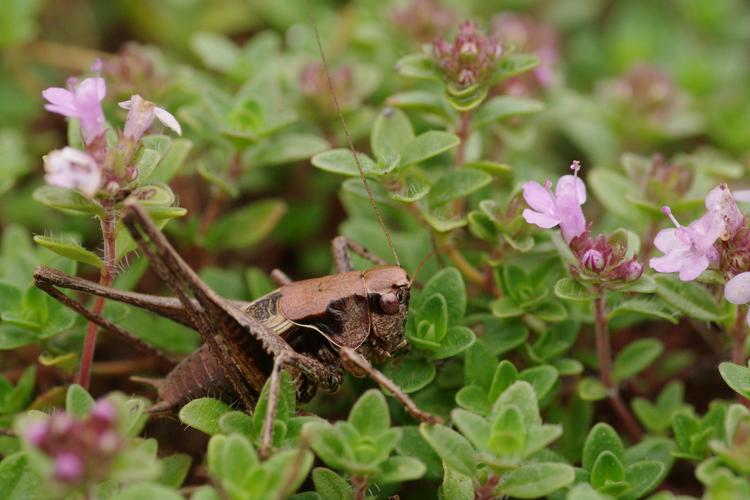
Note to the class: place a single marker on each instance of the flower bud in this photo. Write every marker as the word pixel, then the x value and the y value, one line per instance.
pixel 593 260
pixel 73 169
pixel 68 467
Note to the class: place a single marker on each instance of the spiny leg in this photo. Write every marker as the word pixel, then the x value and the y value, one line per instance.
pixel 271 406
pixel 49 288
pixel 360 362
pixel 181 278
pixel 341 245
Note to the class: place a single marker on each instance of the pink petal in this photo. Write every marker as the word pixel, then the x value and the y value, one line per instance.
pixel 124 104
pixel 743 195
pixel 737 290
pixel 168 120
pixel 60 101
pixel 539 219
pixel 568 210
pixel 706 230
pixel 92 89
pixel 567 182
pixel 665 264
pixel 667 240
pixel 693 266
pixel 538 198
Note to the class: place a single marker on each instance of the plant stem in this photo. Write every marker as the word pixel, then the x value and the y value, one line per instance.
pixel 106 274
pixel 739 336
pixel 359 483
pixel 604 354
pixel 464 127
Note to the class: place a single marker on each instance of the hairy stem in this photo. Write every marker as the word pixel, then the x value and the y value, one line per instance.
pixel 359 483
pixel 739 336
pixel 106 274
pixel 604 354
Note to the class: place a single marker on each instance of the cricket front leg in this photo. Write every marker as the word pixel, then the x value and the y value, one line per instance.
pixel 341 245
pixel 361 363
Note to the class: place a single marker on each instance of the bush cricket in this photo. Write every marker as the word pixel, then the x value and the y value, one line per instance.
pixel 314 328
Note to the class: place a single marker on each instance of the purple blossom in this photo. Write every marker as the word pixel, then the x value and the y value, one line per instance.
pixel 721 200
pixel 141 114
pixel 737 291
pixel 470 58
pixel 593 260
pixel 562 207
pixel 81 100
pixel 688 250
pixel 73 169
pixel 68 467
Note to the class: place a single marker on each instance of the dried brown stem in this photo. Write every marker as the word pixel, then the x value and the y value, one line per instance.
pixel 604 354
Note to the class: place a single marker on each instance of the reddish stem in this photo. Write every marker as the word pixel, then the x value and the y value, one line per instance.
pixel 108 224
pixel 604 353
pixel 739 336
pixel 463 134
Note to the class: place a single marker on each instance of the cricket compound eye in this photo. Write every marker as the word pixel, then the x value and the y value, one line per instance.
pixel 389 303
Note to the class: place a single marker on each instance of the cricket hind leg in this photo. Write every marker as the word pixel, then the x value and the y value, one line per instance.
pixel 42 281
pixel 210 315
pixel 358 361
pixel 341 245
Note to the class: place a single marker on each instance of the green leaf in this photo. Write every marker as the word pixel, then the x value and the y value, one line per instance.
pixel 331 485
pixel 399 469
pixel 691 298
pixel 175 469
pixel 432 322
pixel 391 132
pixel 601 438
pixel 536 480
pixel 204 414
pixel 737 377
pixel 419 66
pixel 505 375
pixel 427 145
pixel 457 339
pixel 246 226
pixel 456 486
pixel 521 395
pixel 341 161
pixel 457 184
pixel 475 428
pixel 329 445
pixel 452 447
pixel 411 373
pixel 78 401
pixel 612 189
pixel 284 149
pixel 151 491
pixel 171 160
pixel 515 64
pixel 508 433
pixel 17 479
pixel 66 200
pixel 474 398
pixel 635 358
pixel 215 51
pixel 504 106
pixel 570 289
pixel 237 460
pixel 413 186
pixel 449 283
pixel 505 307
pixel 542 379
pixel 70 249
pixel 642 478
pixel 370 415
pixel 647 307
pixel 607 470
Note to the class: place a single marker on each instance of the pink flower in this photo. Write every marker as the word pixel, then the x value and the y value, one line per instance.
pixel 73 169
pixel 68 467
pixel 737 291
pixel 563 207
pixel 81 100
pixel 141 114
pixel 688 250
pixel 721 200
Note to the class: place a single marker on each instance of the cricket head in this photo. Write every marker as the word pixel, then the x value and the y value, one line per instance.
pixel 388 294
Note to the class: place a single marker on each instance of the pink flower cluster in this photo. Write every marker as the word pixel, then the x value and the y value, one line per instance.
pixel 85 171
pixel 470 58
pixel 80 450
pixel 599 258
pixel 718 239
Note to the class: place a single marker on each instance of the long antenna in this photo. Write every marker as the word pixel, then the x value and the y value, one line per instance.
pixel 347 134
